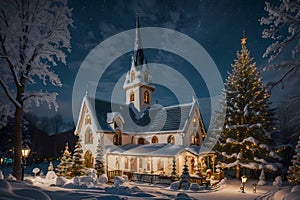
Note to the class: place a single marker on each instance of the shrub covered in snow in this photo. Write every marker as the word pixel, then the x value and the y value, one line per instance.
pixel 88 179
pixel 185 179
pixel 60 181
pixel 195 187
pixel 125 177
pixel 11 177
pixel 103 179
pixel 118 181
pixel 262 178
pixel 51 175
pixel 277 181
pixel 182 196
pixel 174 185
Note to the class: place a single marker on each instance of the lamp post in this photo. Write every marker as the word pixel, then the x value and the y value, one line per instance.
pixel 25 154
pixel 244 179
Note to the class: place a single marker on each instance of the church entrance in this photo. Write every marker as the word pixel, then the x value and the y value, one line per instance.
pixel 88 159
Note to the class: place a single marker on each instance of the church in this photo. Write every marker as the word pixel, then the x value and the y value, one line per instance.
pixel 139 136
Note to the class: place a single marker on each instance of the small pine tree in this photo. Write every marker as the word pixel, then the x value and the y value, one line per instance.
pixel 185 178
pixel 50 167
pixel 65 166
pixel 262 178
pixel 78 161
pixel 100 162
pixel 294 170
pixel 174 169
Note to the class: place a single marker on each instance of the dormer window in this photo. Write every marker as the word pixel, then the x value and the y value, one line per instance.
pixel 154 139
pixel 131 96
pixel 117 139
pixel 146 97
pixel 171 139
pixel 132 76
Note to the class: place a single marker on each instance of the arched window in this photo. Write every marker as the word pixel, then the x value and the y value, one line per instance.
pixel 88 119
pixel 131 96
pixel 141 140
pixel 132 76
pixel 154 139
pixel 146 97
pixel 195 139
pixel 88 136
pixel 117 139
pixel 171 139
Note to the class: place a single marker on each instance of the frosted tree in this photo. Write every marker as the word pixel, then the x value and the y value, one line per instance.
pixel 294 169
pixel 184 181
pixel 245 137
pixel 100 161
pixel 64 168
pixel 34 37
pixel 262 178
pixel 78 161
pixel 283 23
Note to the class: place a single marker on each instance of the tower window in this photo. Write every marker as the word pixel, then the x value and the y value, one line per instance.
pixel 132 76
pixel 131 96
pixel 88 136
pixel 154 139
pixel 171 139
pixel 146 97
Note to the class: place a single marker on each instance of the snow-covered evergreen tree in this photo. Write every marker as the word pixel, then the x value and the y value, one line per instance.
pixel 50 167
pixel 64 168
pixel 262 178
pixel 294 169
pixel 78 160
pixel 184 181
pixel 244 140
pixel 34 37
pixel 100 161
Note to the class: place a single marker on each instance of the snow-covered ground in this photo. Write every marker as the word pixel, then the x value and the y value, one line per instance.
pixel 42 188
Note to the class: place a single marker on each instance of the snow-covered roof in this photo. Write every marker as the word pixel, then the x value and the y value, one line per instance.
pixel 155 119
pixel 156 150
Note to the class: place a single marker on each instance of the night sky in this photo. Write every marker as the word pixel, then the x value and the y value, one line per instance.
pixel 217 25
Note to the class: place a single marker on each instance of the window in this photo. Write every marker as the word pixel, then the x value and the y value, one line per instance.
pixel 88 119
pixel 141 140
pixel 126 163
pixel 131 96
pixel 146 97
pixel 117 139
pixel 160 164
pixel 154 139
pixel 195 139
pixel 132 76
pixel 171 139
pixel 194 122
pixel 88 136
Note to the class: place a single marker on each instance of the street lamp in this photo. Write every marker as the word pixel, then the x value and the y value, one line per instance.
pixel 244 179
pixel 25 154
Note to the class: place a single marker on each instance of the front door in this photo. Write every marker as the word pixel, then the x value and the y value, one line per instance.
pixel 88 159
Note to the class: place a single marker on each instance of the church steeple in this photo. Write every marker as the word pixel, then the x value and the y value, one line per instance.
pixel 137 83
pixel 138 54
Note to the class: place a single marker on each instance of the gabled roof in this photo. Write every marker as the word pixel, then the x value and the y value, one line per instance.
pixel 157 150
pixel 153 120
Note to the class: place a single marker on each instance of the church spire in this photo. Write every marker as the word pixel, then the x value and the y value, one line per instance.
pixel 138 53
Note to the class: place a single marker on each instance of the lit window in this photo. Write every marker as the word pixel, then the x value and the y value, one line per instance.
pixel 88 119
pixel 131 96
pixel 154 139
pixel 195 139
pixel 194 122
pixel 171 139
pixel 88 136
pixel 146 97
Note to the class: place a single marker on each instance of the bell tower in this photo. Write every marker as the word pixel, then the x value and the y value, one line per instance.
pixel 137 83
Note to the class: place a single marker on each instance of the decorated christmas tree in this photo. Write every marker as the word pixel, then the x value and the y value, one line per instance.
pixel 246 133
pixel 294 169
pixel 65 166
pixel 100 162
pixel 78 161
